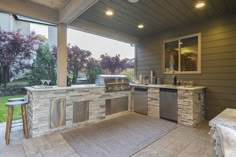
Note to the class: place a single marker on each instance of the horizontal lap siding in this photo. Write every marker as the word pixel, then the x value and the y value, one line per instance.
pixel 218 61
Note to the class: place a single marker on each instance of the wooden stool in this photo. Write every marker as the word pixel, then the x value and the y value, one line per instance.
pixel 11 104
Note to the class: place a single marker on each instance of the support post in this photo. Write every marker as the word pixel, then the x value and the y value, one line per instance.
pixel 62 56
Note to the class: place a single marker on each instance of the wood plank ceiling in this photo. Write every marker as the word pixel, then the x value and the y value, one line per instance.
pixel 156 15
pixel 54 4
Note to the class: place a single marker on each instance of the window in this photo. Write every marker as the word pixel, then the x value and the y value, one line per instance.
pixel 183 55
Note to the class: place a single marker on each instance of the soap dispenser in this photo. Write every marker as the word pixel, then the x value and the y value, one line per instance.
pixel 174 81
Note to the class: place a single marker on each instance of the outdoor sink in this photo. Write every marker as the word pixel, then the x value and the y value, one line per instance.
pixel 42 87
pixel 169 86
pixel 175 86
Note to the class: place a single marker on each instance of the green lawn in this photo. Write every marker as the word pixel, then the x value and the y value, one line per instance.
pixel 18 83
pixel 3 108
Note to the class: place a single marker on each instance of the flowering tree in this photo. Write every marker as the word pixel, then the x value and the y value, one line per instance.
pixel 114 64
pixel 15 50
pixel 77 59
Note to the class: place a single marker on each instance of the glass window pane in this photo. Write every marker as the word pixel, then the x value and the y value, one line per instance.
pixel 189 54
pixel 171 56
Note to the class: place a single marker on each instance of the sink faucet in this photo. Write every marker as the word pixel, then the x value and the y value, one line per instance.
pixel 174 81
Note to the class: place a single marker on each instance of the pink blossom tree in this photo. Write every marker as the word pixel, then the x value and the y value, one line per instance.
pixel 114 63
pixel 77 58
pixel 15 50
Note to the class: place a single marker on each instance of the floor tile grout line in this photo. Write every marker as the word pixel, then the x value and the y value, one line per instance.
pixel 153 142
pixel 184 148
pixel 70 145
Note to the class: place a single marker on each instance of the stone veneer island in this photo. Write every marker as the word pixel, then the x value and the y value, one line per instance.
pixel 43 101
pixel 57 108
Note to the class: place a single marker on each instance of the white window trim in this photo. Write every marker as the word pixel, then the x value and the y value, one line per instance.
pixel 199 55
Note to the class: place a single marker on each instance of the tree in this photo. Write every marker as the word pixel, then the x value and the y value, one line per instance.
pixel 114 64
pixel 77 60
pixel 94 68
pixel 44 65
pixel 129 73
pixel 15 50
pixel 126 64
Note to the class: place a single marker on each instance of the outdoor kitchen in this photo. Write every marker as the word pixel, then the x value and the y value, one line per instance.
pixel 55 108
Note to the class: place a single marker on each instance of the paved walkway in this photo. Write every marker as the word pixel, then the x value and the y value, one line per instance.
pixel 181 142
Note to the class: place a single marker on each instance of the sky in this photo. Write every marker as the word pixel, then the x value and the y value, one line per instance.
pixel 96 44
pixel 99 45
pixel 39 29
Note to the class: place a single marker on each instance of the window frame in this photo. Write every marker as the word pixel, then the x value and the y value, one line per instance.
pixel 179 55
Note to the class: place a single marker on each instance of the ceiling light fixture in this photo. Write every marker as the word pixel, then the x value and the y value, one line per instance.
pixel 133 1
pixel 109 13
pixel 140 26
pixel 200 4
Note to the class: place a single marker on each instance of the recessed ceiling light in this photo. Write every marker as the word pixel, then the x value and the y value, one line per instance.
pixel 200 4
pixel 133 1
pixel 109 13
pixel 140 26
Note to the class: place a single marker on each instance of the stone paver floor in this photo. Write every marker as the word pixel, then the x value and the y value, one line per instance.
pixel 181 142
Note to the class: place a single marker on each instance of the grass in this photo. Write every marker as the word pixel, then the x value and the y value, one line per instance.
pixel 18 83
pixel 3 108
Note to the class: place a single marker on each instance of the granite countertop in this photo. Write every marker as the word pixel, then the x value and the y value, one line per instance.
pixel 168 86
pixel 226 118
pixel 52 88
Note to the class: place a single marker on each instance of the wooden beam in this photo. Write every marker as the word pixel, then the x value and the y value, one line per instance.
pixel 100 30
pixel 29 9
pixel 74 9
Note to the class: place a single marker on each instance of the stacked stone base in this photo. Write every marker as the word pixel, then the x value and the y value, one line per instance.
pixel 190 107
pixel 38 108
pixel 154 102
pixel 39 104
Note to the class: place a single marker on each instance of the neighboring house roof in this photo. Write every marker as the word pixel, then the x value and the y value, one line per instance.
pixel 132 60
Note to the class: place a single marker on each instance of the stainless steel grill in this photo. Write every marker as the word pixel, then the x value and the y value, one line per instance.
pixel 113 82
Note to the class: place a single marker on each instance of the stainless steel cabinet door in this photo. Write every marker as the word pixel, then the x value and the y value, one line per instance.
pixel 80 111
pixel 140 102
pixel 57 113
pixel 116 105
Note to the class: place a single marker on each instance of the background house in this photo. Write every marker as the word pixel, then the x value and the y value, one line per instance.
pixel 10 22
